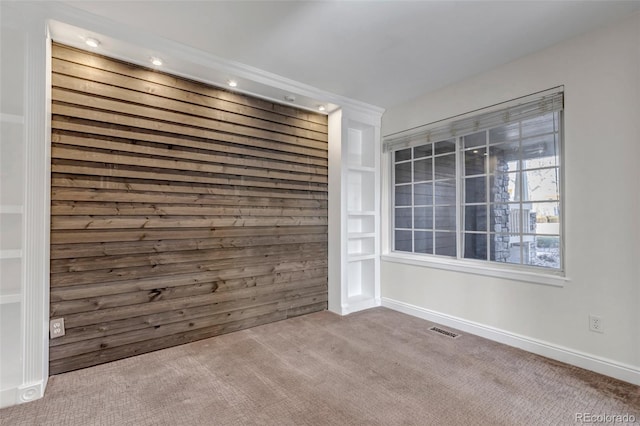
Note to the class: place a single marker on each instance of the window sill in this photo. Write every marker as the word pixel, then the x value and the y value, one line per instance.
pixel 470 267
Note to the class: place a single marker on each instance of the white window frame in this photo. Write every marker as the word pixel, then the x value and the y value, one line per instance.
pixel 518 272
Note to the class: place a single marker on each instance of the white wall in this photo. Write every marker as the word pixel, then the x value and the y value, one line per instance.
pixel 24 296
pixel 601 75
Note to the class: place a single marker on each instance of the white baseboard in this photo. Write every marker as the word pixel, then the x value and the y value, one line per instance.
pixel 8 397
pixel 600 365
pixel 359 305
pixel 21 394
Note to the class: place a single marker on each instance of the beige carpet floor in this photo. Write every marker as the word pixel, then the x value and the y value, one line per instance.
pixel 376 367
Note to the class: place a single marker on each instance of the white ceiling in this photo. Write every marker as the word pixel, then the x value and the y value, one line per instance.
pixel 378 52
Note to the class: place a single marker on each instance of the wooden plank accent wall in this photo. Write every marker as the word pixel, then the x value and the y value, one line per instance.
pixel 179 211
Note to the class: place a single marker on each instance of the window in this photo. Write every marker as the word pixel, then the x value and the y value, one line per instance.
pixel 487 188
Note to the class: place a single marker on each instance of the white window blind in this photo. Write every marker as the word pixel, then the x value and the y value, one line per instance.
pixel 522 109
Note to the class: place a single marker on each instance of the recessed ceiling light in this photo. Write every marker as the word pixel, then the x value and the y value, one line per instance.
pixel 321 108
pixel 156 61
pixel 232 83
pixel 92 42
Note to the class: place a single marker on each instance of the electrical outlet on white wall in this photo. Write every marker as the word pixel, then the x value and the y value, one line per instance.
pixel 596 324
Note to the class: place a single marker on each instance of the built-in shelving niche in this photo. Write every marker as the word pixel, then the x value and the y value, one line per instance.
pixel 360 286
pixel 13 51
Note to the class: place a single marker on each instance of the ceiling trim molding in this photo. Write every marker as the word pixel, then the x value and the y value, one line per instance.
pixel 263 83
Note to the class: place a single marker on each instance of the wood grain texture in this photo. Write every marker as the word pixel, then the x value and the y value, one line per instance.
pixel 136 72
pixel 179 211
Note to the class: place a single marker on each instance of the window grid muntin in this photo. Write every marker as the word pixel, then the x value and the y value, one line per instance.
pixel 487 193
pixel 489 175
pixel 435 204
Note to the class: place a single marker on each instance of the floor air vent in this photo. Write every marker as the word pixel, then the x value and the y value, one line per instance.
pixel 447 333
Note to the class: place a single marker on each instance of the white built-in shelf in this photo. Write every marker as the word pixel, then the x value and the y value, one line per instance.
pixel 358 282
pixel 357 168
pixel 360 257
pixel 11 118
pixel 10 254
pixel 358 235
pixel 11 209
pixel 361 147
pixel 359 298
pixel 361 213
pixel 360 302
pixel 361 246
pixel 10 298
pixel 364 224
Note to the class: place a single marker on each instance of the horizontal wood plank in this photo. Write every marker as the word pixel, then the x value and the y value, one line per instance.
pixel 129 311
pixel 150 222
pixel 155 295
pixel 126 146
pixel 277 263
pixel 108 121
pixel 100 236
pixel 61 195
pixel 288 300
pixel 176 257
pixel 76 56
pixel 84 72
pixel 101 156
pixel 228 144
pixel 81 250
pixel 73 208
pixel 65 182
pixel 134 172
pixel 62 96
pixel 171 100
pixel 228 279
